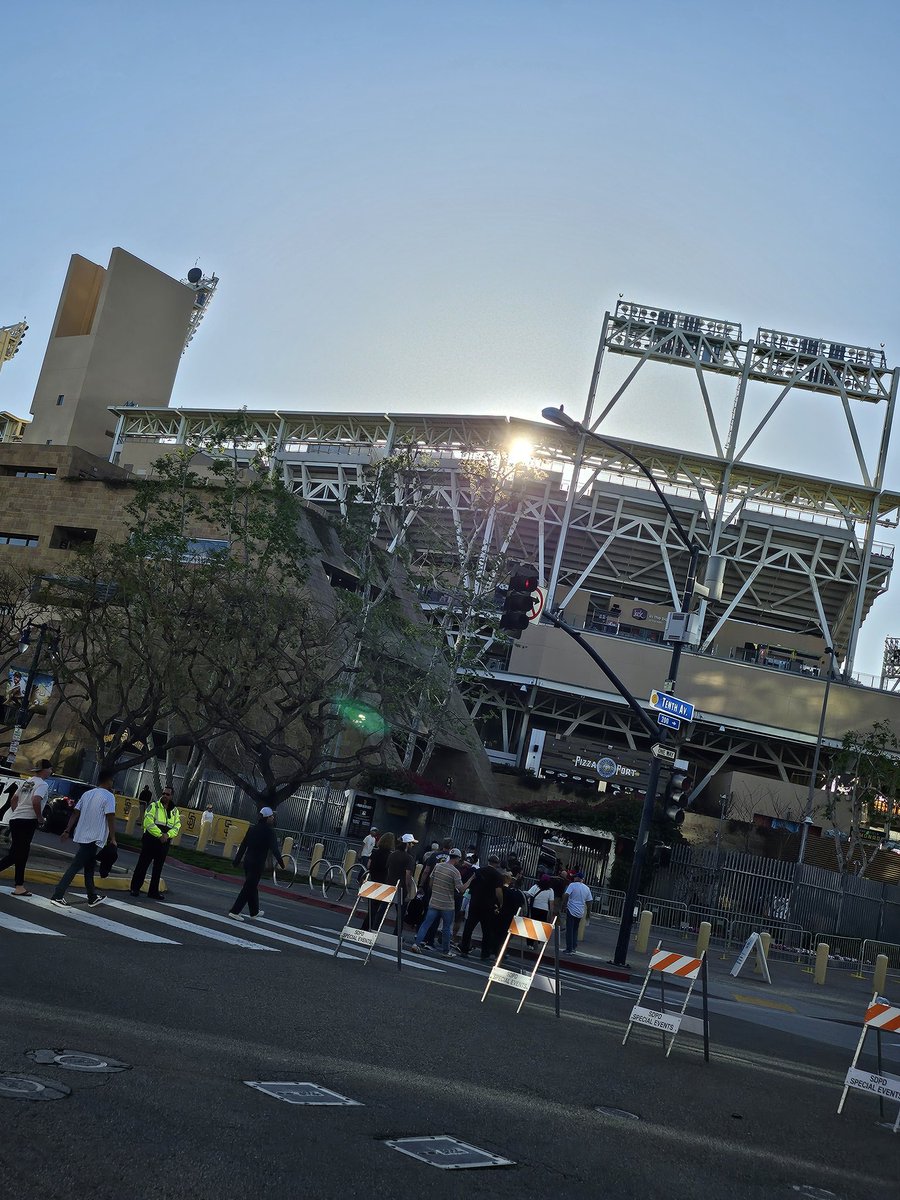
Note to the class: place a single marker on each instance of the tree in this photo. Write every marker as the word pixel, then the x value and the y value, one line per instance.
pixel 867 770
pixel 451 530
pixel 211 628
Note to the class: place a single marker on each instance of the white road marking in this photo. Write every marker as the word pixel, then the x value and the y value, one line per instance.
pixel 332 938
pixel 147 914
pixel 17 925
pixel 260 932
pixel 98 922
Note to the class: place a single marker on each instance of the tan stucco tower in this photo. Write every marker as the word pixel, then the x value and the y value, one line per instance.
pixel 117 339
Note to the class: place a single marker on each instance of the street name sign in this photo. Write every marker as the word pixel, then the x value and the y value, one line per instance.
pixel 671 705
pixel 668 722
pixel 658 750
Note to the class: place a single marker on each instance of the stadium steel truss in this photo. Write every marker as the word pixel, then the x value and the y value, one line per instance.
pixel 803 552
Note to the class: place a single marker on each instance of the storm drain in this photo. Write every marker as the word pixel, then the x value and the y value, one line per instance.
pixel 300 1093
pixel 448 1153
pixel 25 1087
pixel 76 1060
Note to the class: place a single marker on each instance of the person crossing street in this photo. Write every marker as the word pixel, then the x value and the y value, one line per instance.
pixel 92 825
pixel 259 842
pixel 162 824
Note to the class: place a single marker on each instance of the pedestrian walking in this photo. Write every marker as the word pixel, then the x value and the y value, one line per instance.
pixel 91 826
pixel 543 900
pixel 259 842
pixel 23 823
pixel 446 884
pixel 486 897
pixel 575 901
pixel 378 862
pixel 162 823
pixel 437 854
pixel 206 821
pixel 10 793
pixel 400 867
pixel 466 871
pixel 368 846
pixel 512 903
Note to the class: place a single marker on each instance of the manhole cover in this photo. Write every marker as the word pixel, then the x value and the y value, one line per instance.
pixel 300 1093
pixel 448 1153
pixel 24 1087
pixel 76 1060
pixel 622 1113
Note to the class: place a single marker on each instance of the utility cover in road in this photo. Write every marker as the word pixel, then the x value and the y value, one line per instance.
pixel 76 1060
pixel 658 750
pixel 25 1087
pixel 671 705
pixel 448 1153
pixel 300 1093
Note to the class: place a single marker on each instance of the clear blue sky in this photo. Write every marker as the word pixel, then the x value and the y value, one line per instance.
pixel 429 206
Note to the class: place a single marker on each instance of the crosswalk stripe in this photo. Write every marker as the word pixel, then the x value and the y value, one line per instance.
pixel 258 930
pixel 332 939
pixel 17 925
pixel 188 926
pixel 98 922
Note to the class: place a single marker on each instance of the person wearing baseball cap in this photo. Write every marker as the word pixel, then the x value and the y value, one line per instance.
pixel 259 842
pixel 368 846
pixel 446 884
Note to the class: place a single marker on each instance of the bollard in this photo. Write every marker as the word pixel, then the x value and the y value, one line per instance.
pixel 821 961
pixel 287 846
pixel 131 819
pixel 317 851
pixel 765 942
pixel 879 979
pixel 643 933
pixel 233 839
pixel 349 860
pixel 582 925
pixel 203 837
pixel 703 936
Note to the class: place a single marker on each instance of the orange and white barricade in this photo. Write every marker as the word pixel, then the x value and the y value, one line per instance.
pixel 881 1016
pixel 386 894
pixel 675 967
pixel 533 931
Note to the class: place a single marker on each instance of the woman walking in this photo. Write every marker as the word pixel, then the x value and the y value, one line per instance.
pixel 23 822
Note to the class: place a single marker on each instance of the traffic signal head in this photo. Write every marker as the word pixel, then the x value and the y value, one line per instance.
pixel 520 600
pixel 676 796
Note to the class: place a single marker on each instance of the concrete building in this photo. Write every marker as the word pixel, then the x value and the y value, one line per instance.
pixel 117 339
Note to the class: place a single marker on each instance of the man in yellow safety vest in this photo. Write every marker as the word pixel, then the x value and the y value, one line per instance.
pixel 162 823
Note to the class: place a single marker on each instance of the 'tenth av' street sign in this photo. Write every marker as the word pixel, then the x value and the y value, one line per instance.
pixel 672 706
pixel 667 721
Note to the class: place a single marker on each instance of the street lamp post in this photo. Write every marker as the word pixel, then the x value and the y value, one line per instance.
pixel 810 797
pixel 564 421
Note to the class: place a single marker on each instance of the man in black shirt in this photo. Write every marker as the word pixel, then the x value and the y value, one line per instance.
pixel 486 891
pixel 400 867
pixel 259 842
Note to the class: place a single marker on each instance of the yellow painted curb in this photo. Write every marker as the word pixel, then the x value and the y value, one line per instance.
pixel 112 883
pixel 764 1002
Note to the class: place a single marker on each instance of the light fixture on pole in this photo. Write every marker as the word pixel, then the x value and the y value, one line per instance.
pixel 678 632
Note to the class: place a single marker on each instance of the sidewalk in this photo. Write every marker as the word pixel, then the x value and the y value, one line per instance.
pixel 50 857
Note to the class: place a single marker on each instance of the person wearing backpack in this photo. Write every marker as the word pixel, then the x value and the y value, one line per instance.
pixel 23 823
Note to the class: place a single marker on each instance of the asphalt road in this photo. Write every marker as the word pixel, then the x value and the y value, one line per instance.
pixel 195 1017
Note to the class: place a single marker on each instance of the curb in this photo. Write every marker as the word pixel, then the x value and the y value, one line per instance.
pixel 120 883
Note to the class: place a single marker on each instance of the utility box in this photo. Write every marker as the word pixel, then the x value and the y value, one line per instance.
pixel 684 627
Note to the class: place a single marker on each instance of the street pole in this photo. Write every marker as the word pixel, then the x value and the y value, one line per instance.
pixel 810 796
pixel 564 421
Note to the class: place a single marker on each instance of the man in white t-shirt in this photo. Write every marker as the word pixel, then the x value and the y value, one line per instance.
pixel 575 901
pixel 24 821
pixel 368 846
pixel 94 823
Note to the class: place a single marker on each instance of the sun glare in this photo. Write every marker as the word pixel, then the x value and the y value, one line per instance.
pixel 520 450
